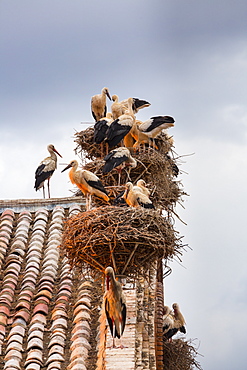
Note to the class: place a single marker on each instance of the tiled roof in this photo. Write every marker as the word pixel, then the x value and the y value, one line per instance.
pixel 49 313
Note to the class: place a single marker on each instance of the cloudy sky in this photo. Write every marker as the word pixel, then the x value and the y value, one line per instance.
pixel 189 59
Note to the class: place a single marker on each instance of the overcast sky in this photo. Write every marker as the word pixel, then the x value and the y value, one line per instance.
pixel 189 59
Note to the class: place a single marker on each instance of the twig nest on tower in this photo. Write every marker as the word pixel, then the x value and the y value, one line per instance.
pixel 180 355
pixel 86 147
pixel 128 239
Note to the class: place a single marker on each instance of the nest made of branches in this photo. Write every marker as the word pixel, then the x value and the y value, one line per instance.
pixel 86 147
pixel 128 239
pixel 153 167
pixel 180 355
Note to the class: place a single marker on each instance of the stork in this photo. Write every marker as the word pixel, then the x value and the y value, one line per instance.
pixel 114 304
pixel 137 104
pixel 168 324
pixel 121 126
pixel 98 104
pixel 100 129
pixel 135 197
pixel 117 108
pixel 119 158
pixel 172 321
pixel 151 128
pixel 143 186
pixel 46 169
pixel 87 182
pixel 179 319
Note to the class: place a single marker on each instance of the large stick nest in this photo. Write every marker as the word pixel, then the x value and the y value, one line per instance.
pixel 127 239
pixel 153 167
pixel 87 148
pixel 180 355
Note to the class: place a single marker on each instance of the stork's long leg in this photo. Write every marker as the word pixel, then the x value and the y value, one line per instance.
pixel 48 186
pixel 43 191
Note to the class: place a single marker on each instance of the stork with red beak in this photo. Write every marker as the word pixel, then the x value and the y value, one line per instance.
pixel 114 304
pixel 45 170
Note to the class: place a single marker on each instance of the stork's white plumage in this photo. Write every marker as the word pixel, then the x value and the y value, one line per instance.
pixel 135 197
pixel 46 169
pixel 87 182
pixel 117 108
pixel 173 321
pixel 118 159
pixel 114 304
pixel 143 186
pixel 150 129
pixel 121 126
pixel 98 104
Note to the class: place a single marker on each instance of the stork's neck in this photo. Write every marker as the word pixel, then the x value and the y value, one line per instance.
pixel 53 155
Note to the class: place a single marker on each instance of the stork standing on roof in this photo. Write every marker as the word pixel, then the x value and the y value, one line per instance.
pixel 45 170
pixel 119 159
pixel 114 304
pixel 87 182
pixel 98 104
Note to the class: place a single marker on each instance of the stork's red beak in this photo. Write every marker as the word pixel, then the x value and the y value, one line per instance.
pixel 107 282
pixel 67 167
pixel 54 150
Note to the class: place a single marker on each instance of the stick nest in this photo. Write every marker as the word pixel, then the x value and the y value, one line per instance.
pixel 180 355
pixel 128 239
pixel 86 147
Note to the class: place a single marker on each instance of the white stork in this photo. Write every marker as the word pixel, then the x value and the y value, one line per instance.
pixel 117 108
pixel 135 197
pixel 100 130
pixel 118 159
pixel 46 169
pixel 149 129
pixel 143 186
pixel 137 104
pixel 114 304
pixel 98 104
pixel 121 126
pixel 87 182
pixel 173 321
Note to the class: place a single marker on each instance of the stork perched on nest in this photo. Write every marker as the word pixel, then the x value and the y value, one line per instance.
pixel 118 159
pixel 121 126
pixel 148 130
pixel 87 182
pixel 98 104
pixel 100 130
pixel 137 104
pixel 172 321
pixel 45 170
pixel 135 197
pixel 117 107
pixel 114 304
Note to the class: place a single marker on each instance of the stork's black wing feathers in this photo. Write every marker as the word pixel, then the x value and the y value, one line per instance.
pixel 145 205
pixel 137 103
pixel 116 133
pixel 41 176
pixel 97 185
pixel 159 120
pixel 182 329
pixel 170 333
pixel 112 162
pixel 124 314
pixel 109 318
pixel 100 129
pixel 94 116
